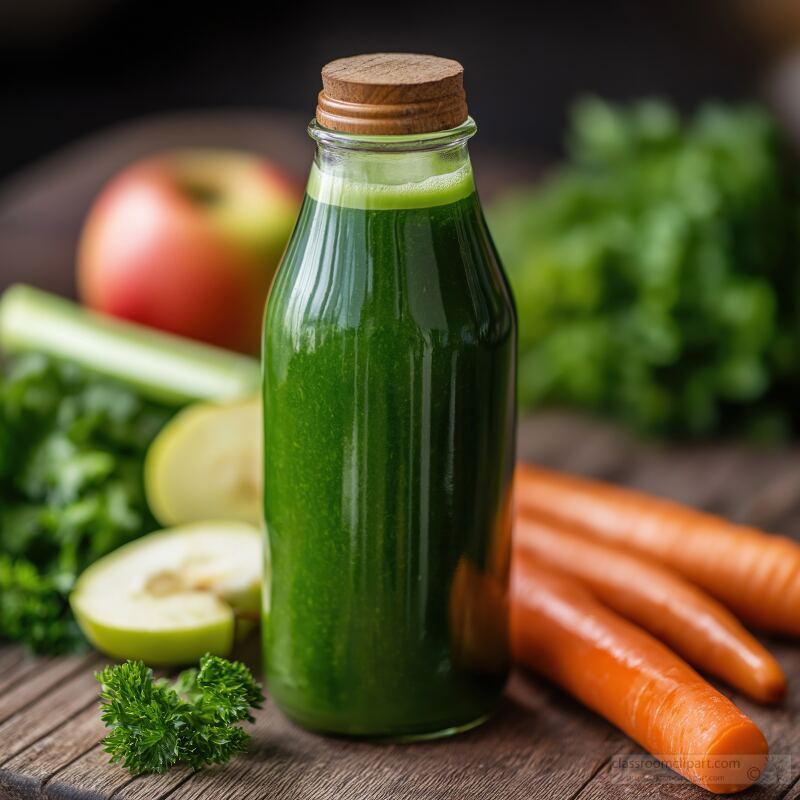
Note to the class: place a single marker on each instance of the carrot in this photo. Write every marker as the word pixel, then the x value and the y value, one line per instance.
pixel 559 629
pixel 666 605
pixel 755 574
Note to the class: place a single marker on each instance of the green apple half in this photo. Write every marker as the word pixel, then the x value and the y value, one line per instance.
pixel 206 464
pixel 173 595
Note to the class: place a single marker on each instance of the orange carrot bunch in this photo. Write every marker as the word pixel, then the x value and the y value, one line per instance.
pixel 615 593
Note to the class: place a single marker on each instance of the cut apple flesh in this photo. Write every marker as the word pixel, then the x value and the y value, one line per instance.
pixel 174 595
pixel 206 464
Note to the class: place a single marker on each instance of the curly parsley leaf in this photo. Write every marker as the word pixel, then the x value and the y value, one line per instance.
pixel 156 724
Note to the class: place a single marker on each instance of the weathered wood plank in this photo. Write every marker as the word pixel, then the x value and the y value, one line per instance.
pixel 768 492
pixel 16 664
pixel 549 437
pixel 48 674
pixel 604 453
pixel 55 705
pixel 92 777
pixel 153 787
pixel 793 792
pixel 10 656
pixel 88 777
pixel 534 748
pixel 698 476
pixel 542 744
pixel 25 774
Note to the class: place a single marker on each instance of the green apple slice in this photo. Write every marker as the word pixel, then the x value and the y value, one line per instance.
pixel 173 595
pixel 206 464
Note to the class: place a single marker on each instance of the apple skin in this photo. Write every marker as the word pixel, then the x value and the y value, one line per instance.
pixel 188 242
pixel 162 648
pixel 123 619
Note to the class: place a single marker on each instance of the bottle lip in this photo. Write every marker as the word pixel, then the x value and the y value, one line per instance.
pixel 397 143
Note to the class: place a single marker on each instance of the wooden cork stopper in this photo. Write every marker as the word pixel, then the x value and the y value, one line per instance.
pixel 392 94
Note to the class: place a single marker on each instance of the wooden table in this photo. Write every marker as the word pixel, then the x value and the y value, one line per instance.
pixel 540 744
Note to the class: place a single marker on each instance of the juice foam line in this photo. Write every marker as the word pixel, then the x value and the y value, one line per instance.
pixel 371 192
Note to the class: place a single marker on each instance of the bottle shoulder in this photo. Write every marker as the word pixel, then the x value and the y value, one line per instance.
pixel 429 274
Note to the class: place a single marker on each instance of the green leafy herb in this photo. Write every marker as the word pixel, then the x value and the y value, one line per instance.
pixel 33 609
pixel 71 453
pixel 156 725
pixel 655 273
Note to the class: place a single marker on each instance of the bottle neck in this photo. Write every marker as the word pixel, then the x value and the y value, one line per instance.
pixel 391 172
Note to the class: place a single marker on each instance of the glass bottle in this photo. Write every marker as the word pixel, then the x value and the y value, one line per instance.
pixel 389 430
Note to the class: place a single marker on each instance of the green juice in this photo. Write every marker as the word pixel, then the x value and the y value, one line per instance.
pixel 389 408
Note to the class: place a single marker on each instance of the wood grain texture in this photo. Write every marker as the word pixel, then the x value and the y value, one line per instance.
pixel 35 718
pixel 91 777
pixel 391 94
pixel 25 774
pixel 37 683
pixel 540 745
pixel 14 666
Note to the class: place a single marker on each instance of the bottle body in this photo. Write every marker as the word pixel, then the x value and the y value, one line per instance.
pixel 389 407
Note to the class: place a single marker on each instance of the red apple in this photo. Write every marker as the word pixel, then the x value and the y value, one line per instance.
pixel 188 242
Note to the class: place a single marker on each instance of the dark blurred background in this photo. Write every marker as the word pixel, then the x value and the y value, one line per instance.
pixel 89 86
pixel 71 67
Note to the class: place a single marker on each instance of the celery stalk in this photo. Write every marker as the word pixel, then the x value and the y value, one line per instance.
pixel 158 365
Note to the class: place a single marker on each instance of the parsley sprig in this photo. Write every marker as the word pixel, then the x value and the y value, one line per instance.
pixel 72 446
pixel 655 273
pixel 156 724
